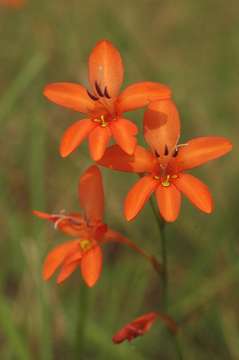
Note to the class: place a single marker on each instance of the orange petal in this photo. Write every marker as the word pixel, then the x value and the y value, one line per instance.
pixel 71 224
pixel 66 271
pixel 43 215
pixel 124 132
pixel 196 191
pixel 57 256
pixel 162 127
pixel 116 159
pixel 71 96
pixel 138 196
pixel 136 328
pixel 169 202
pixel 74 135
pixel 201 150
pixel 98 141
pixel 106 68
pixel 91 265
pixel 140 94
pixel 74 257
pixel 91 194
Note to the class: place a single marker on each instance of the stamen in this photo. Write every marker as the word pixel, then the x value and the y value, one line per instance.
pixel 58 221
pixel 103 122
pixel 93 97
pixel 166 150
pixel 175 152
pixel 166 182
pixel 98 89
pixel 156 177
pixel 106 94
pixel 182 145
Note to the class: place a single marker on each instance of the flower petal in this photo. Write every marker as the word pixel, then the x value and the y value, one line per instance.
pixel 138 196
pixel 45 216
pixel 162 127
pixel 140 94
pixel 106 68
pixel 91 265
pixel 196 191
pixel 124 132
pixel 136 328
pixel 116 159
pixel 71 224
pixel 91 194
pixel 169 202
pixel 57 256
pixel 98 141
pixel 200 150
pixel 70 95
pixel 74 135
pixel 66 271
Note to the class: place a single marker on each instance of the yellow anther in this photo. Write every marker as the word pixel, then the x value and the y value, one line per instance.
pixel 156 177
pixel 174 176
pixel 85 244
pixel 101 121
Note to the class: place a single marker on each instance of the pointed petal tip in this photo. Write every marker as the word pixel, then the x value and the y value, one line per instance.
pixel 46 276
pixel 63 152
pixel 60 280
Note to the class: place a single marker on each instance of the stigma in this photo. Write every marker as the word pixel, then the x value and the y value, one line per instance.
pixel 165 180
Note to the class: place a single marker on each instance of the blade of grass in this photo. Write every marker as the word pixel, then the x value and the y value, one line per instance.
pixel 17 344
pixel 206 292
pixel 36 163
pixel 13 335
pixel 20 84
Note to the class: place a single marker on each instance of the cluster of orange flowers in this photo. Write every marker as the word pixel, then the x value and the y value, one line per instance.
pixel 161 167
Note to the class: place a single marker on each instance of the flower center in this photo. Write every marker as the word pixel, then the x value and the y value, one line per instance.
pixel 165 180
pixel 101 121
pixel 85 244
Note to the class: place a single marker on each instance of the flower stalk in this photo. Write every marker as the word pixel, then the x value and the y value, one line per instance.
pixel 164 274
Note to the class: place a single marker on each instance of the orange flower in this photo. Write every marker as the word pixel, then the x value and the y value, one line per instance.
pixel 102 105
pixel 163 167
pixel 90 232
pixel 141 325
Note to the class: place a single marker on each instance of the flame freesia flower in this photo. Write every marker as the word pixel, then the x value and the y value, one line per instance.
pixel 163 167
pixel 102 104
pixel 143 324
pixel 90 233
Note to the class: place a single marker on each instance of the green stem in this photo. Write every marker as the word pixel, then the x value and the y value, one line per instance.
pixel 177 347
pixel 164 273
pixel 81 323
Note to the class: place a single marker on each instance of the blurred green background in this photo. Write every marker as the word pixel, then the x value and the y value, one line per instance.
pixel 191 46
